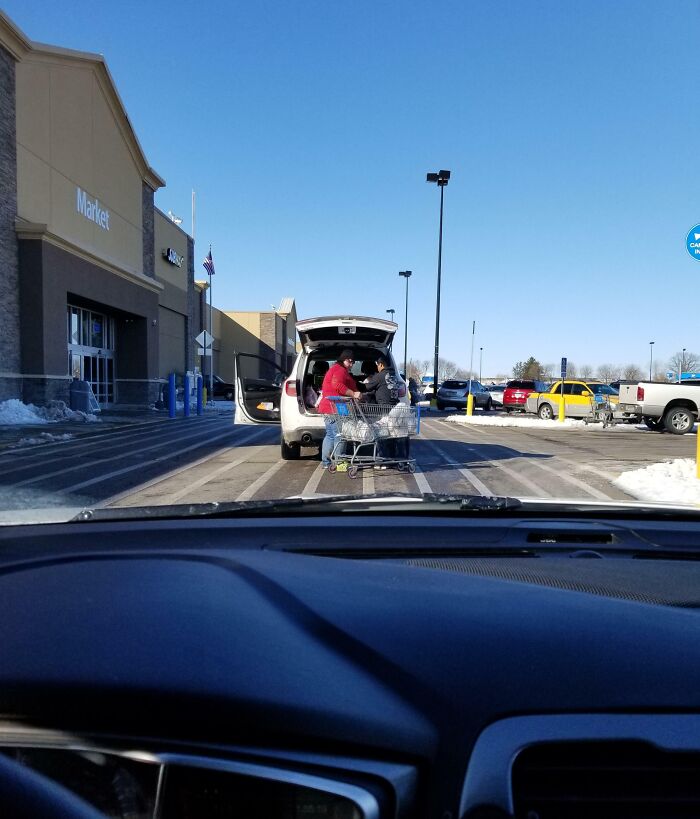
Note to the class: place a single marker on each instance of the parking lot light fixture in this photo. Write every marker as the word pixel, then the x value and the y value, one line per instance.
pixel 682 367
pixel 441 179
pixel 407 275
pixel 392 311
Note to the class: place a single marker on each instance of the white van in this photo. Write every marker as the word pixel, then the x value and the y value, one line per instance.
pixel 267 396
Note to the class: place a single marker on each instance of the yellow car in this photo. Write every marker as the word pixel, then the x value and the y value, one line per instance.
pixel 579 398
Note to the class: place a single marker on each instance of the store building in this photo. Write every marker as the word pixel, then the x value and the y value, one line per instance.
pixel 95 283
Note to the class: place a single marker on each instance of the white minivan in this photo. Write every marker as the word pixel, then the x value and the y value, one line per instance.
pixel 266 395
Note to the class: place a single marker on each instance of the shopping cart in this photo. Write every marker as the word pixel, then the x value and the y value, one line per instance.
pixel 602 411
pixel 366 433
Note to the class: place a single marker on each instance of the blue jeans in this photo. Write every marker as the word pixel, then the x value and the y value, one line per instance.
pixel 329 441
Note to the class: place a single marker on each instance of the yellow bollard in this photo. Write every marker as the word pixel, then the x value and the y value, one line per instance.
pixel 470 404
pixel 562 410
pixel 204 396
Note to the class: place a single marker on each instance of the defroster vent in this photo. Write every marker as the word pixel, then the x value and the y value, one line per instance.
pixel 605 780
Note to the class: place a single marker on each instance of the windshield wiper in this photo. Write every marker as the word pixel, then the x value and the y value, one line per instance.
pixel 379 502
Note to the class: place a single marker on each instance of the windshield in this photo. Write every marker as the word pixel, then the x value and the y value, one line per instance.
pixel 252 252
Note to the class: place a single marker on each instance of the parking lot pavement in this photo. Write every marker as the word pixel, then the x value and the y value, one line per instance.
pixel 158 461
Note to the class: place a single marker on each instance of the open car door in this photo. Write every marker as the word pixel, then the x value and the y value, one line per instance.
pixel 258 389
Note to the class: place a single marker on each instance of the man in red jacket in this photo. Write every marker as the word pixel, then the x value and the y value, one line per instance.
pixel 336 382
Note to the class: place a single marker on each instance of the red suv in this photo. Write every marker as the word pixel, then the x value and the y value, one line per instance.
pixel 516 393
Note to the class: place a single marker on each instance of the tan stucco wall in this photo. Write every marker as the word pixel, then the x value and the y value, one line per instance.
pixel 68 137
pixel 249 320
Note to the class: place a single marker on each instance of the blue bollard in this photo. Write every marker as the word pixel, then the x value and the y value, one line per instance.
pixel 187 396
pixel 417 419
pixel 171 395
pixel 199 395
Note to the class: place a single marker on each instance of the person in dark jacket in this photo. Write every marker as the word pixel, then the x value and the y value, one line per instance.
pixel 384 388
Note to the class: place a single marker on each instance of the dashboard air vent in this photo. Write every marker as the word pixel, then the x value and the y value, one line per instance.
pixel 605 780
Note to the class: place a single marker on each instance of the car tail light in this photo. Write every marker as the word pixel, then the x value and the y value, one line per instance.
pixel 640 393
pixel 402 392
pixel 290 387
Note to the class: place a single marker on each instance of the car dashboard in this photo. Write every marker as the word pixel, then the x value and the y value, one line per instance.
pixel 356 666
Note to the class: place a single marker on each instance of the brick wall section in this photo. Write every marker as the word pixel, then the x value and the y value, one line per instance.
pixel 149 237
pixel 190 327
pixel 268 335
pixel 9 257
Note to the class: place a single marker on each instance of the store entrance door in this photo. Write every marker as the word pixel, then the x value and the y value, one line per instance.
pixel 97 368
pixel 87 361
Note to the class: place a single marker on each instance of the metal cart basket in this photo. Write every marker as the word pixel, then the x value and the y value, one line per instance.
pixel 368 432
pixel 602 411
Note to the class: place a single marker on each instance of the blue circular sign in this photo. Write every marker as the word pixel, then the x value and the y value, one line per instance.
pixel 692 242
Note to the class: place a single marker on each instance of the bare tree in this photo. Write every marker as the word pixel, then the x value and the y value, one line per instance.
pixel 683 362
pixel 464 375
pixel 446 369
pixel 632 373
pixel 571 370
pixel 547 372
pixel 586 371
pixel 415 369
pixel 608 372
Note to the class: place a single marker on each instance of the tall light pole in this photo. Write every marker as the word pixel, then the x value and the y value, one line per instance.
pixel 651 358
pixel 407 275
pixel 680 372
pixel 481 353
pixel 392 311
pixel 441 178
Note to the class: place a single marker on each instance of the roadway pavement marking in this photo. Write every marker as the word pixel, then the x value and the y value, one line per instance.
pixel 248 493
pixel 175 472
pixel 587 488
pixel 142 465
pixel 368 481
pixel 531 485
pixel 480 487
pixel 164 440
pixel 422 482
pixel 309 490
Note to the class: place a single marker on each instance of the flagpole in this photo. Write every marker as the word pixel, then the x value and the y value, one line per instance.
pixel 211 342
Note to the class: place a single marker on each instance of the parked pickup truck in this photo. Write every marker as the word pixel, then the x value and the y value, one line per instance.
pixel 663 407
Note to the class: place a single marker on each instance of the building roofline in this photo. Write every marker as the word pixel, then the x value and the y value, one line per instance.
pixel 20 46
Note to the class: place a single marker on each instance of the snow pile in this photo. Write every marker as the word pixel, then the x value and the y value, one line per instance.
pixel 14 413
pixel 42 438
pixel 669 482
pixel 60 411
pixel 512 421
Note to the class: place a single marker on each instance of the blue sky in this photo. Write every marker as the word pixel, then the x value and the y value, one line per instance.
pixel 307 128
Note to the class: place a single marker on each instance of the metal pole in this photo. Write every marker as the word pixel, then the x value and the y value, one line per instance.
pixel 481 355
pixel 651 358
pixel 437 306
pixel 405 336
pixel 211 344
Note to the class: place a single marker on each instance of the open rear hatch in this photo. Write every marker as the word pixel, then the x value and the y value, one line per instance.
pixel 336 330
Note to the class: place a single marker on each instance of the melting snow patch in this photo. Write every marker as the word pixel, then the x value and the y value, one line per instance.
pixel 42 438
pixel 669 482
pixel 510 421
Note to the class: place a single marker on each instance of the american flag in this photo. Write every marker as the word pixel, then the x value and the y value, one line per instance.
pixel 209 263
